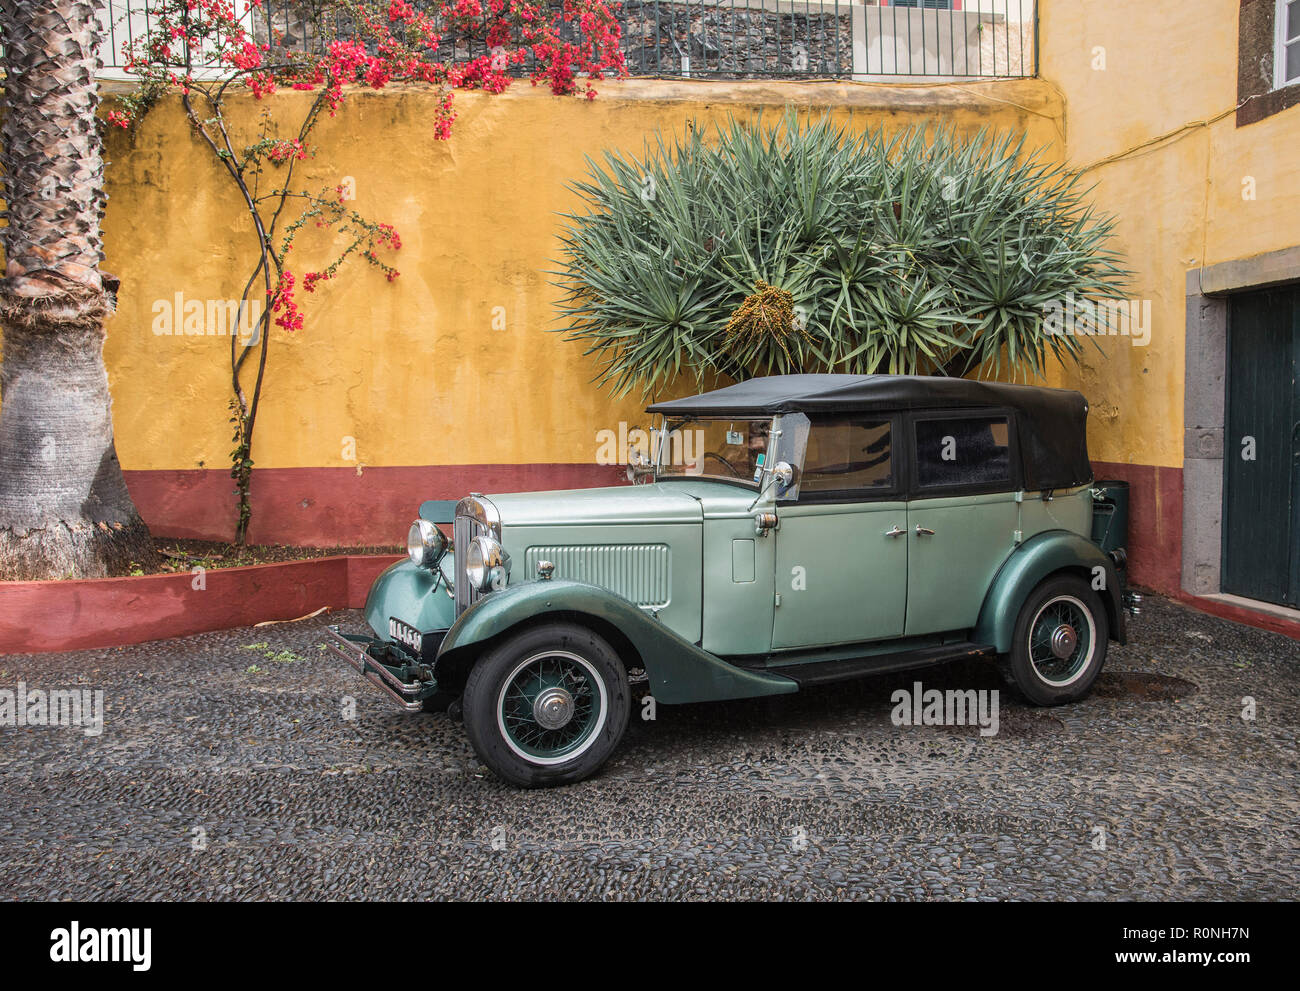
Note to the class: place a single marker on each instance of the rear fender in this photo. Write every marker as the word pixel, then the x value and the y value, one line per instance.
pixel 1033 561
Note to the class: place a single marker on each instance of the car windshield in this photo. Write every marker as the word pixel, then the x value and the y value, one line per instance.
pixel 728 449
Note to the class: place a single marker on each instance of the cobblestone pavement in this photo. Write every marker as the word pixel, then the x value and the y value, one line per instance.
pixel 227 771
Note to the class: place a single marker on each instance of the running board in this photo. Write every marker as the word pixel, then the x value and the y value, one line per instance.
pixel 808 673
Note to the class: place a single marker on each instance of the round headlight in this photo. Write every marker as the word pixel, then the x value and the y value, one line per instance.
pixel 476 568
pixel 425 544
pixel 486 564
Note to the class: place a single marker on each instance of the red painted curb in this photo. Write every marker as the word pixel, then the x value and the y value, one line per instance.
pixel 36 617
pixel 1240 614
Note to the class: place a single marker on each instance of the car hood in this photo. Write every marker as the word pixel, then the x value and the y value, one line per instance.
pixel 657 503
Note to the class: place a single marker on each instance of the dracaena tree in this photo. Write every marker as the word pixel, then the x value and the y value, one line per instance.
pixel 203 51
pixel 64 508
pixel 799 247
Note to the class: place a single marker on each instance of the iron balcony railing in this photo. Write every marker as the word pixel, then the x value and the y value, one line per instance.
pixel 729 39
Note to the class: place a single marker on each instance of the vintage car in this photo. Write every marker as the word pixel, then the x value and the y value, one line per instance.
pixel 787 531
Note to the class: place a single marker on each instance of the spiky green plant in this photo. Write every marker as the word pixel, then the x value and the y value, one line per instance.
pixel 920 252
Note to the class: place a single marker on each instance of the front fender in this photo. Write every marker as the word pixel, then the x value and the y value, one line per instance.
pixel 678 670
pixel 1029 564
pixel 406 592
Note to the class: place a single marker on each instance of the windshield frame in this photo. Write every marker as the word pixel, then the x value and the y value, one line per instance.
pixel 662 444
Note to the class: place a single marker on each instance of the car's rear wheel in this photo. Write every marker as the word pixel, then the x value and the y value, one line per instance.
pixel 547 706
pixel 1060 641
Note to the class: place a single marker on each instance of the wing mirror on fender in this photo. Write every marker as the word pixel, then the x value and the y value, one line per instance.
pixel 782 473
pixel 638 465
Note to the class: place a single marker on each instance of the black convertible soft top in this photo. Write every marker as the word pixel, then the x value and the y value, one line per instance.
pixel 1051 423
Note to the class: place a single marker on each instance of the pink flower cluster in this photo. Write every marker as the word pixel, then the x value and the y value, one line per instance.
pixel 283 303
pixel 283 150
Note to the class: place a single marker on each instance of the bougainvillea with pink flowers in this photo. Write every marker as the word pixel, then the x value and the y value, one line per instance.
pixel 206 51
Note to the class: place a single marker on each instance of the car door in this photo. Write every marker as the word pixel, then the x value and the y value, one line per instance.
pixel 962 515
pixel 841 544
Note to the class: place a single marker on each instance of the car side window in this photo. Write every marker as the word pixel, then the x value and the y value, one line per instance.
pixel 847 457
pixel 961 451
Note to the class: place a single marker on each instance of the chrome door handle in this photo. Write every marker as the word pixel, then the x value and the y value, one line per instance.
pixel 898 531
pixel 923 531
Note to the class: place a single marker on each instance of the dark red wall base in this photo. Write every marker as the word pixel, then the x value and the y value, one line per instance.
pixel 1155 526
pixel 333 507
pixel 109 612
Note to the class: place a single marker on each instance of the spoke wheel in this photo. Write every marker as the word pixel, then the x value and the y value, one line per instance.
pixel 551 707
pixel 547 706
pixel 1059 643
pixel 1061 640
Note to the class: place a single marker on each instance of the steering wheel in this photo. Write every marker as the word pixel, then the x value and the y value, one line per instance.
pixel 730 467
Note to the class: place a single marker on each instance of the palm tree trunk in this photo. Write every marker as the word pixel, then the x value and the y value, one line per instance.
pixel 64 508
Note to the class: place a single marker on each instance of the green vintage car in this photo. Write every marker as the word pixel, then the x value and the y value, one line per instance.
pixel 787 531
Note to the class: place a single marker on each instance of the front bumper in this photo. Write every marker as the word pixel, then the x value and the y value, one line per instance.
pixel 403 680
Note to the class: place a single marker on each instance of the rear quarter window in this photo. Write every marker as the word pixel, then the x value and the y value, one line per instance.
pixel 961 451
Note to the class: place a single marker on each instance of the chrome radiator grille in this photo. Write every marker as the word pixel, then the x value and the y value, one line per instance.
pixel 463 530
pixel 475 517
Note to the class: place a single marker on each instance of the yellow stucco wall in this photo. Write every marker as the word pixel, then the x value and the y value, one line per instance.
pixel 384 363
pixel 1169 66
pixel 414 370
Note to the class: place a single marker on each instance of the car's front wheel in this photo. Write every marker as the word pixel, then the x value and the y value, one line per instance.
pixel 1060 642
pixel 547 706
pixel 439 702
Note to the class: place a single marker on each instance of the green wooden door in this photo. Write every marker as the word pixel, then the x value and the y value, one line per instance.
pixel 1261 490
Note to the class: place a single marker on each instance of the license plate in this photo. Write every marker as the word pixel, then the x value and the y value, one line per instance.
pixel 405 634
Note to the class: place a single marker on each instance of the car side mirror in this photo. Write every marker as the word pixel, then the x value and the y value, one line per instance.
pixel 782 473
